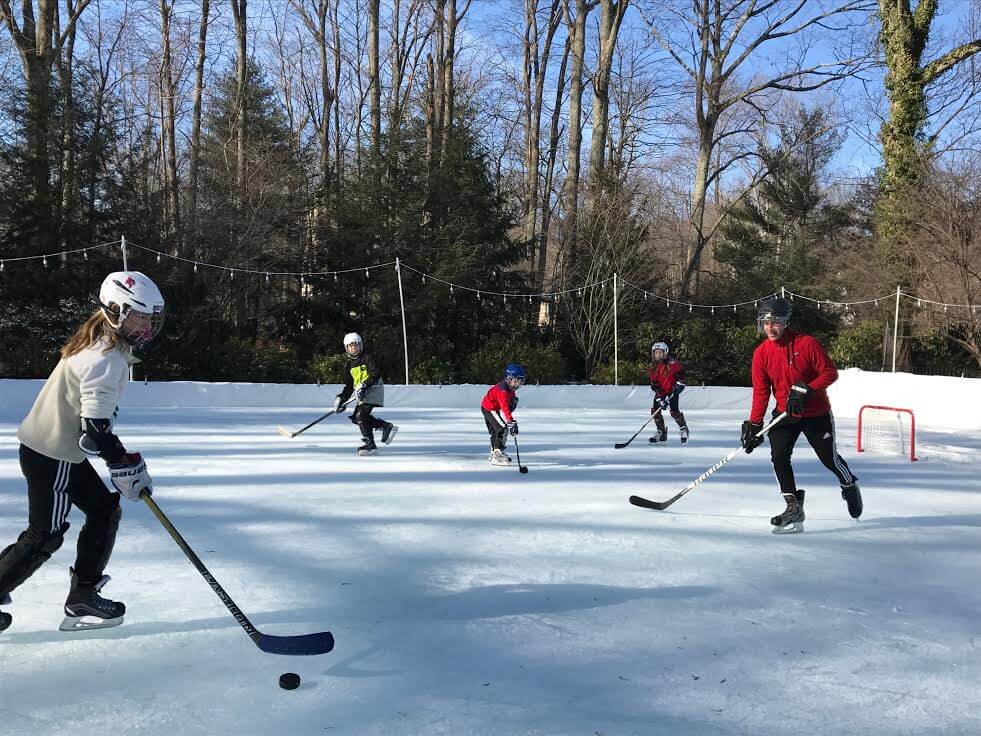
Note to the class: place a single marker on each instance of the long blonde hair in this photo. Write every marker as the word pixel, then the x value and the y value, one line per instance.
pixel 96 328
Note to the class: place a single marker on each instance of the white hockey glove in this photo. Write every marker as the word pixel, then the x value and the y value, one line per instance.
pixel 339 406
pixel 129 476
pixel 361 392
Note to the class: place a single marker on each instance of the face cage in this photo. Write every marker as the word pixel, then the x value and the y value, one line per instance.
pixel 654 354
pixel 353 345
pixel 514 381
pixel 143 340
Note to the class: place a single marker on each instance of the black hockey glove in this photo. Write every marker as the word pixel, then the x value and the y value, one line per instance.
pixel 748 439
pixel 800 392
pixel 512 428
pixel 97 439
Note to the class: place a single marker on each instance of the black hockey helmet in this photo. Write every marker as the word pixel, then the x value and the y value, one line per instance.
pixel 774 309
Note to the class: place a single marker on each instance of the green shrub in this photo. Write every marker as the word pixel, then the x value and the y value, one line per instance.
pixel 542 362
pixel 859 346
pixel 432 370
pixel 328 368
pixel 632 373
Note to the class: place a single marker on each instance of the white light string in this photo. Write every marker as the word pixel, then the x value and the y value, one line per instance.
pixel 648 293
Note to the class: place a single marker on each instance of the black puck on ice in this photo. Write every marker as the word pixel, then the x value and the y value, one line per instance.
pixel 289 681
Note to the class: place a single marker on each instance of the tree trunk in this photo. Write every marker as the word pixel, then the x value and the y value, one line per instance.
pixel 570 193
pixel 169 123
pixel 375 87
pixel 67 177
pixel 194 153
pixel 240 11
pixel 611 16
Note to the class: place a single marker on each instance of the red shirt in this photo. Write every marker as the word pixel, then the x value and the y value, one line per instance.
pixel 500 397
pixel 779 364
pixel 664 374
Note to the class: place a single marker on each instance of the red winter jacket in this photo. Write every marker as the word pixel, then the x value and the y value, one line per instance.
pixel 779 364
pixel 500 397
pixel 664 375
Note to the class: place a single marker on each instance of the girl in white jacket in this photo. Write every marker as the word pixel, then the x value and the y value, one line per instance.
pixel 71 418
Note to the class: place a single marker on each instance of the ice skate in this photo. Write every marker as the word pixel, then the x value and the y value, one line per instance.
pixel 684 435
pixel 853 497
pixel 388 433
pixel 367 449
pixel 497 457
pixel 5 618
pixel 661 436
pixel 86 609
pixel 791 521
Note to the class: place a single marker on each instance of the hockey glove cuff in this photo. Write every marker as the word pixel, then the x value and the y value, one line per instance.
pixel 339 405
pixel 97 439
pixel 512 428
pixel 361 392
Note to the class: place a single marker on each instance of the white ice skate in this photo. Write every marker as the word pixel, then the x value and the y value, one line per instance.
pixel 497 457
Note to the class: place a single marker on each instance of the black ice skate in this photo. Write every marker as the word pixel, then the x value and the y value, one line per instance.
pixel 853 497
pixel 388 433
pixel 791 521
pixel 368 448
pixel 86 609
pixel 661 436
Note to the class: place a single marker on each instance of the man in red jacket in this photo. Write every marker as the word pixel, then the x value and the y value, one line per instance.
pixel 797 371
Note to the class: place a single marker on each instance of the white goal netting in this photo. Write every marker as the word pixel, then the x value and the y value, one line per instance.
pixel 887 430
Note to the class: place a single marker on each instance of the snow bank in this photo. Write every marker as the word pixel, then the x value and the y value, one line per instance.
pixel 938 401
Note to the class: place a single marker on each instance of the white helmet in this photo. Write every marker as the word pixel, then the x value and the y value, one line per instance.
pixel 660 346
pixel 353 338
pixel 123 292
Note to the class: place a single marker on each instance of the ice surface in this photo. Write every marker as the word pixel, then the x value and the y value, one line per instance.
pixel 470 599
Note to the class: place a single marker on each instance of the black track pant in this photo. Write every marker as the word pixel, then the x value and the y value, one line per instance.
pixel 367 423
pixel 820 433
pixel 676 414
pixel 497 429
pixel 53 487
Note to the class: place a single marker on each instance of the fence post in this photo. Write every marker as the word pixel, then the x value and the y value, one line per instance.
pixel 405 337
pixel 616 337
pixel 895 330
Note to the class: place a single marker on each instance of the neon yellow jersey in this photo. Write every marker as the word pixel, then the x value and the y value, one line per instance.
pixel 359 373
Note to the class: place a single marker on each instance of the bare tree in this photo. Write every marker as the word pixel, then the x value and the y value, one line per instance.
pixel 39 39
pixel 240 13
pixel 611 17
pixel 195 146
pixel 711 41
pixel 168 91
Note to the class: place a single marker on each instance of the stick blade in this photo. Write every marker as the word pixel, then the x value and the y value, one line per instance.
pixel 646 503
pixel 283 431
pixel 620 445
pixel 307 644
pixel 522 468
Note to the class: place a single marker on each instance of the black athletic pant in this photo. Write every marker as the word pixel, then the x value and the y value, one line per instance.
pixel 366 422
pixel 676 414
pixel 53 486
pixel 820 433
pixel 497 429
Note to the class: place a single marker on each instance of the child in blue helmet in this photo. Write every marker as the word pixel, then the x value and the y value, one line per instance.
pixel 498 404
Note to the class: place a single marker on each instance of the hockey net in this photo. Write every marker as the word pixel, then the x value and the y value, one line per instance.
pixel 887 430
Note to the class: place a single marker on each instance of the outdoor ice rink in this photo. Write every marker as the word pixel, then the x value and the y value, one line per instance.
pixel 470 599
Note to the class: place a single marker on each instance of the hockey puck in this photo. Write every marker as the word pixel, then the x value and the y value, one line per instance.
pixel 289 681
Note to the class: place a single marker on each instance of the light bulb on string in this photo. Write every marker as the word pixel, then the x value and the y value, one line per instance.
pixel 733 308
pixel 690 306
pixel 45 261
pixel 231 273
pixel 335 277
pixel 85 254
pixel 713 310
pixel 267 278
pixel 195 268
pixel 366 274
pixel 158 257
pixel 424 278
pixel 919 303
pixel 1 266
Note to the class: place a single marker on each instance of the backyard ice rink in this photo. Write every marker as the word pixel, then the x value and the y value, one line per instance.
pixel 470 599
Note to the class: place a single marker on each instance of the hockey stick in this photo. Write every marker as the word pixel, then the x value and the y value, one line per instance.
pixel 621 445
pixel 307 644
pixel 661 505
pixel 517 452
pixel 286 433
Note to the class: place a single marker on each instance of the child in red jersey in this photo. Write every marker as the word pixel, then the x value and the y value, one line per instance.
pixel 796 370
pixel 498 404
pixel 667 377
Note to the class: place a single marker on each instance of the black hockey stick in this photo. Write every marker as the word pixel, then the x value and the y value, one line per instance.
pixel 646 503
pixel 621 445
pixel 307 644
pixel 517 453
pixel 286 433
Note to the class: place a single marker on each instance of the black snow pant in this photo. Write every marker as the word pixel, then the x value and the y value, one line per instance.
pixel 367 423
pixel 53 486
pixel 820 433
pixel 676 414
pixel 497 429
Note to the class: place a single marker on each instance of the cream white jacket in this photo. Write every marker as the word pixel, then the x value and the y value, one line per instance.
pixel 88 384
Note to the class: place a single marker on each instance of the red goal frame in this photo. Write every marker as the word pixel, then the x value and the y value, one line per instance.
pixel 899 410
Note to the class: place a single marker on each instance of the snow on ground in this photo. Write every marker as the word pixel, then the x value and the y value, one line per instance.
pixel 467 599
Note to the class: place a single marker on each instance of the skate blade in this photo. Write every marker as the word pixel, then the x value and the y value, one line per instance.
pixel 81 623
pixel 794 527
pixel 367 453
pixel 391 435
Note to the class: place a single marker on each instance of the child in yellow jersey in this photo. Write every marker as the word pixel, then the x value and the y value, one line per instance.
pixel 364 380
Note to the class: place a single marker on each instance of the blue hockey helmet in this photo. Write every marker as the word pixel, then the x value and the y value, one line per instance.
pixel 514 372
